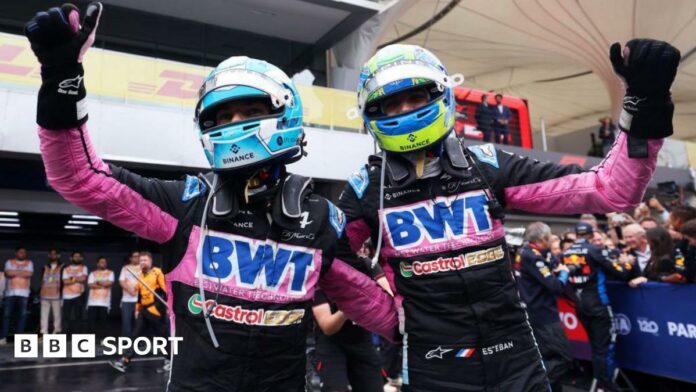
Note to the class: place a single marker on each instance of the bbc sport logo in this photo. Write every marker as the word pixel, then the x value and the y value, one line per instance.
pixel 85 346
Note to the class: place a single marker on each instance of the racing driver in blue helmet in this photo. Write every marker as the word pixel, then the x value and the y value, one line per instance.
pixel 244 247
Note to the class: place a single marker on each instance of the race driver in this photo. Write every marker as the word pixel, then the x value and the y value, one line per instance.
pixel 435 209
pixel 244 246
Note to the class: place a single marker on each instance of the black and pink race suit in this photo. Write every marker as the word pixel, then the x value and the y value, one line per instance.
pixel 446 257
pixel 259 274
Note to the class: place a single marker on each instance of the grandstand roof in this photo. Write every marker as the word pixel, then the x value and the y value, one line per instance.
pixel 554 53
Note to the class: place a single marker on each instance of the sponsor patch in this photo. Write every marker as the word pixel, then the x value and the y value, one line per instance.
pixel 485 153
pixel 337 219
pixel 239 315
pixel 440 220
pixel 359 181
pixel 192 188
pixel 444 264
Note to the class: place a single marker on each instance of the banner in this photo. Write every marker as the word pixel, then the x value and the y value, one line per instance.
pixel 655 326
pixel 134 79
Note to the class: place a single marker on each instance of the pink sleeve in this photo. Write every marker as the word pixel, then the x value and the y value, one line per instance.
pixel 75 171
pixel 616 184
pixel 361 299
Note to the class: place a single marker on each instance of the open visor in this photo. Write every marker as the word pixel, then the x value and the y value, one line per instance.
pixel 398 71
pixel 279 95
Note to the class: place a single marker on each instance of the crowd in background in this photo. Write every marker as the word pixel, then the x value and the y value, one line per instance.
pixel 652 244
pixel 73 299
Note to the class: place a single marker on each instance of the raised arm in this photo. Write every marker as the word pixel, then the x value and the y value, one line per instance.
pixel 73 168
pixel 618 183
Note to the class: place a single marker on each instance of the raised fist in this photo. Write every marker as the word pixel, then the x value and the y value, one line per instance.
pixel 56 36
pixel 648 68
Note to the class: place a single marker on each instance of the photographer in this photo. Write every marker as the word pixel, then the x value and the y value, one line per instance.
pixel 540 281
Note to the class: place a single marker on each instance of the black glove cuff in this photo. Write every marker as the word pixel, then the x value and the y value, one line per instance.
pixel 647 117
pixel 62 103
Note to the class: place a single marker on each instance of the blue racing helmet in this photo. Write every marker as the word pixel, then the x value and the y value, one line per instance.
pixel 253 143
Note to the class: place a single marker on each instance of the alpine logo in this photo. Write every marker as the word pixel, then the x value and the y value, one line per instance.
pixel 70 86
pixel 254 264
pixel 439 220
pixel 622 324
pixel 444 264
pixel 239 315
pixel 437 353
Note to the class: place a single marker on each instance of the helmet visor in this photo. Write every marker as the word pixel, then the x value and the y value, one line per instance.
pixel 279 95
pixel 384 81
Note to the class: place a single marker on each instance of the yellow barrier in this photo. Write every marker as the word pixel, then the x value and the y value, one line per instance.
pixel 143 80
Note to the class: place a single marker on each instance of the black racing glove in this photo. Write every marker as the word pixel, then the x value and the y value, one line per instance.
pixel 648 68
pixel 59 43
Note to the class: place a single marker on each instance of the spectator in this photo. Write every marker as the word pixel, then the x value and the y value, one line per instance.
pixel 638 247
pixel 18 272
pixel 130 294
pixel 501 117
pixel 649 223
pixel 688 230
pixel 540 282
pixel 74 278
pixel 50 292
pixel 150 312
pixel 677 217
pixel 565 244
pixel 556 250
pixel 99 302
pixel 667 263
pixel 661 211
pixel 588 264
pixel 606 133
pixel 347 360
pixel 598 238
pixel 641 212
pixel 484 119
pixel 589 218
pixel 569 235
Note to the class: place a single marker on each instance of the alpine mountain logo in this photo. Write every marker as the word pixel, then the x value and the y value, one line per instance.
pixel 255 264
pixel 438 220
pixel 622 324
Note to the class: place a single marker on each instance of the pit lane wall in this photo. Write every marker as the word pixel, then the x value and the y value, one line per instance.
pixel 655 326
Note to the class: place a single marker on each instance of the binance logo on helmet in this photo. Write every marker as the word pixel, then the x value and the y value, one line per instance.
pixel 406 98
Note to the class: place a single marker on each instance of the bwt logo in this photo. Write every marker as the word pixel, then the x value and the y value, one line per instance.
pixel 84 345
pixel 256 264
pixel 569 320
pixel 648 326
pixel 440 220
pixel 622 324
